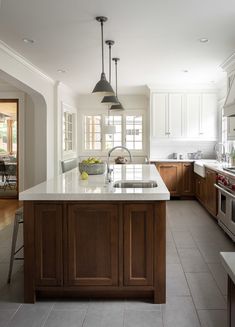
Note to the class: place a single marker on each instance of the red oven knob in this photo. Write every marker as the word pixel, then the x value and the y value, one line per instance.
pixel 233 187
pixel 225 183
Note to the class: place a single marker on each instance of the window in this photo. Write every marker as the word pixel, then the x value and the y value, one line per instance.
pixel 92 132
pixel 69 129
pixel 134 132
pixel 112 140
pixel 129 132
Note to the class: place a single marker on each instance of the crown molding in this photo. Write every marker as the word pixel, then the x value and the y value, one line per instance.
pixel 229 63
pixel 14 54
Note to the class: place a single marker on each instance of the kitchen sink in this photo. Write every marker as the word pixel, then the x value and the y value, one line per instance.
pixel 135 184
pixel 199 166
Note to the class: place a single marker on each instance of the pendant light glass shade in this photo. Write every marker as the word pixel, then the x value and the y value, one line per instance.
pixel 117 106
pixel 110 99
pixel 103 86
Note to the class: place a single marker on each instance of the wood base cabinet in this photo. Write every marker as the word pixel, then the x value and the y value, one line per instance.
pixel 178 177
pixel 95 249
pixel 206 192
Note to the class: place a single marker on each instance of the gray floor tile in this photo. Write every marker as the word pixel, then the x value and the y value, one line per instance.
pixel 192 260
pixel 139 318
pixel 220 276
pixel 142 305
pixel 64 318
pixel 183 239
pixel 5 316
pixel 171 253
pixel 71 305
pixel 213 318
pixel 176 284
pixel 30 315
pixel 105 305
pixel 107 318
pixel 205 292
pixel 180 312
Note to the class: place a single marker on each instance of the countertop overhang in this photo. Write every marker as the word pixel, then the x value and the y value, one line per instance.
pixel 70 187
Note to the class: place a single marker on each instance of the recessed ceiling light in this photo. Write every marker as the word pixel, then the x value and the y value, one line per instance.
pixel 204 40
pixel 61 71
pixel 185 71
pixel 28 41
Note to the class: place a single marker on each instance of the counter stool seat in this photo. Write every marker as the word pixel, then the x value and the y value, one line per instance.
pixel 19 219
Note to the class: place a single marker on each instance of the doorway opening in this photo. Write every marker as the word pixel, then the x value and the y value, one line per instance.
pixel 9 155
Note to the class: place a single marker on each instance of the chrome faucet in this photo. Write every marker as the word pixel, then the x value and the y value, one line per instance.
pixel 108 174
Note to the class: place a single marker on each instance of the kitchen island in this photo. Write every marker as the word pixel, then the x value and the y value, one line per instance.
pixel 86 238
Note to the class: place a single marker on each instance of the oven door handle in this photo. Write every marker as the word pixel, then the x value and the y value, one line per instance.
pixel 224 191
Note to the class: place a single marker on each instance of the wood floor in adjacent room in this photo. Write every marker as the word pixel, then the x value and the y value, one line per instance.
pixel 7 211
pixel 196 283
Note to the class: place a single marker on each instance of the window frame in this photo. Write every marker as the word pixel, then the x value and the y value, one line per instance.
pixel 73 111
pixel 103 151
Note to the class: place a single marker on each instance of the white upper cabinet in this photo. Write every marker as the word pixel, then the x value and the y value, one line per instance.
pixel 208 124
pixel 193 108
pixel 159 115
pixel 231 128
pixel 184 115
pixel 175 114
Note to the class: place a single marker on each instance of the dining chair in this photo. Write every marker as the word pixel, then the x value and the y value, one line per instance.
pixel 2 170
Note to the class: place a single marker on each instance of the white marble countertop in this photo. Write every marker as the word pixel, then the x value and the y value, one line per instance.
pixel 219 168
pixel 69 186
pixel 228 261
pixel 170 160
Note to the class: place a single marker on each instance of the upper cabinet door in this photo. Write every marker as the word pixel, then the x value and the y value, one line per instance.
pixel 208 124
pixel 193 104
pixel 176 110
pixel 159 116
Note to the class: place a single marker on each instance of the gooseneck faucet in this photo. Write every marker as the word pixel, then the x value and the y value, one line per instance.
pixel 108 174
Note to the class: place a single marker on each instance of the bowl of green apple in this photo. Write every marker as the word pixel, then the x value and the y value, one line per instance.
pixel 92 166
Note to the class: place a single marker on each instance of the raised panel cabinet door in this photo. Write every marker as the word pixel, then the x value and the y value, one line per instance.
pixel 171 175
pixel 187 179
pixel 231 128
pixel 211 192
pixel 208 118
pixel 48 244
pixel 193 105
pixel 159 115
pixel 92 244
pixel 175 115
pixel 138 244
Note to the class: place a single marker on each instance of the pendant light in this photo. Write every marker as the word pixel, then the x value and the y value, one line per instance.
pixel 119 105
pixel 110 99
pixel 103 86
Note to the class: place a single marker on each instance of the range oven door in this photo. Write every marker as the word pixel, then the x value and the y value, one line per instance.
pixel 226 211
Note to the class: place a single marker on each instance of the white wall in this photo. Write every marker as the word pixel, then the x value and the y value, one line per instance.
pixel 165 148
pixel 64 96
pixel 41 123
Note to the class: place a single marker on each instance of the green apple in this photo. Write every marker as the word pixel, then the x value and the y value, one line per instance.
pixel 84 175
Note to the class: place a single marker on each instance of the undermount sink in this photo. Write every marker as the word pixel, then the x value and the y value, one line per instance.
pixel 135 184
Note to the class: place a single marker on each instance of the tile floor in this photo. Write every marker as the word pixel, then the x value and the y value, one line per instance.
pixel 196 284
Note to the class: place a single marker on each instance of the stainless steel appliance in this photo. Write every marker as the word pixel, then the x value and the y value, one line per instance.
pixel 226 204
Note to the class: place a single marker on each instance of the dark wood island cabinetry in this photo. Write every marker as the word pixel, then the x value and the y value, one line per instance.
pixel 94 249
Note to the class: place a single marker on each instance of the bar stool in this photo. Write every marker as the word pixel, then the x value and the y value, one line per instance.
pixel 19 219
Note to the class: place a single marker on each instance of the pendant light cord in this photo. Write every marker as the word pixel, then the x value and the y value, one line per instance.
pixel 116 76
pixel 102 41
pixel 109 63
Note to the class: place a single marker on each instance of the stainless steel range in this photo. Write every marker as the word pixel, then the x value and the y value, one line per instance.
pixel 226 203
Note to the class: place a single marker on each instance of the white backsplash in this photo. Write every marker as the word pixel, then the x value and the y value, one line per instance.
pixel 164 149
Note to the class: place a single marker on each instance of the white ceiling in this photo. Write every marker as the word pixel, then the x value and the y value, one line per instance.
pixel 155 39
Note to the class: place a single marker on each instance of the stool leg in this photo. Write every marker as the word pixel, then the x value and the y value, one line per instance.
pixel 13 248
